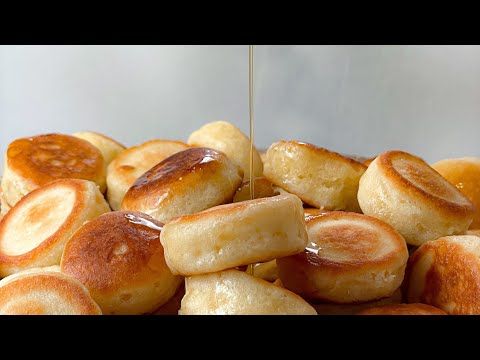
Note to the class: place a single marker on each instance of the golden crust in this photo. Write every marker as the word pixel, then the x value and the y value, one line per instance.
pixel 109 147
pixel 34 232
pixel 236 234
pixel 45 293
pixel 224 293
pixel 321 178
pixel 464 174
pixel 445 273
pixel 351 258
pixel 33 162
pixel 402 190
pixel 186 182
pixel 262 188
pixel 119 258
pixel 133 162
pixel 403 309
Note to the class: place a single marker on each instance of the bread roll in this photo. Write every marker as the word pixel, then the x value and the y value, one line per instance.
pixel 312 212
pixel 262 188
pixel 233 292
pixel 4 207
pixel 321 178
pixel 107 146
pixel 225 137
pixel 403 309
pixel 133 162
pixel 445 273
pixel 184 183
pixel 45 292
pixel 34 232
pixel 402 190
pixel 236 234
pixel 464 173
pixel 35 161
pixel 119 258
pixel 351 258
pixel 267 270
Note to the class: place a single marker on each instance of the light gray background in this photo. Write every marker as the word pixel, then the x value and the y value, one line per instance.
pixel 352 99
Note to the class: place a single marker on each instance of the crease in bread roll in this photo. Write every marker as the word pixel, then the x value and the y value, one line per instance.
pixel 35 161
pixel 262 188
pixel 107 146
pixel 227 138
pixel 403 309
pixel 235 234
pixel 45 292
pixel 119 259
pixel 350 258
pixel 464 173
pixel 34 232
pixel 405 192
pixel 133 162
pixel 184 183
pixel 234 292
pixel 321 178
pixel 445 273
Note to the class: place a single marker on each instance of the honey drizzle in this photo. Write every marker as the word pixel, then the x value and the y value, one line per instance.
pixel 250 268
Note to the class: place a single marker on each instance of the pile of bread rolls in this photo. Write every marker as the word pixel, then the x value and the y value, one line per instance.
pixel 90 227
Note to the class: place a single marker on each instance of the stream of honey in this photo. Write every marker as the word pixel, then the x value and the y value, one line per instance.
pixel 250 268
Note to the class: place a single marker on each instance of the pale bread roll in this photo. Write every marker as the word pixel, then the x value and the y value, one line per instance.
pixel 227 138
pixel 405 192
pixel 321 178
pixel 133 162
pixel 34 232
pixel 107 146
pixel 233 292
pixel 35 161
pixel 236 234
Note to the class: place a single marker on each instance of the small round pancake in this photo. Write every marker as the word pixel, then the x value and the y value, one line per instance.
pixel 464 173
pixel 262 188
pixel 233 292
pixel 236 234
pixel 403 309
pixel 35 161
pixel 405 192
pixel 184 183
pixel 34 232
pixel 267 270
pixel 445 273
pixel 119 258
pixel 351 258
pixel 107 146
pixel 321 178
pixel 45 292
pixel 225 137
pixel 133 162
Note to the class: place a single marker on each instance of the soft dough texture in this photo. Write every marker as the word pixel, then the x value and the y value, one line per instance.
pixel 351 258
pixel 235 234
pixel 225 137
pixel 321 178
pixel 35 161
pixel 119 258
pixel 446 273
pixel 107 146
pixel 405 192
pixel 234 292
pixel 133 162
pixel 186 182
pixel 34 232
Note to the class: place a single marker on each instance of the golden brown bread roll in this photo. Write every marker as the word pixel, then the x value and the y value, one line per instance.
pixel 233 292
pixel 119 258
pixel 350 258
pixel 34 232
pixel 464 173
pixel 403 309
pixel 107 146
pixel 321 178
pixel 236 234
pixel 35 161
pixel 184 183
pixel 133 162
pixel 405 192
pixel 227 138
pixel 45 292
pixel 446 273
pixel 262 188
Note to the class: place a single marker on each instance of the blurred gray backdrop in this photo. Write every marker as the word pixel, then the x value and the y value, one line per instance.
pixel 352 99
